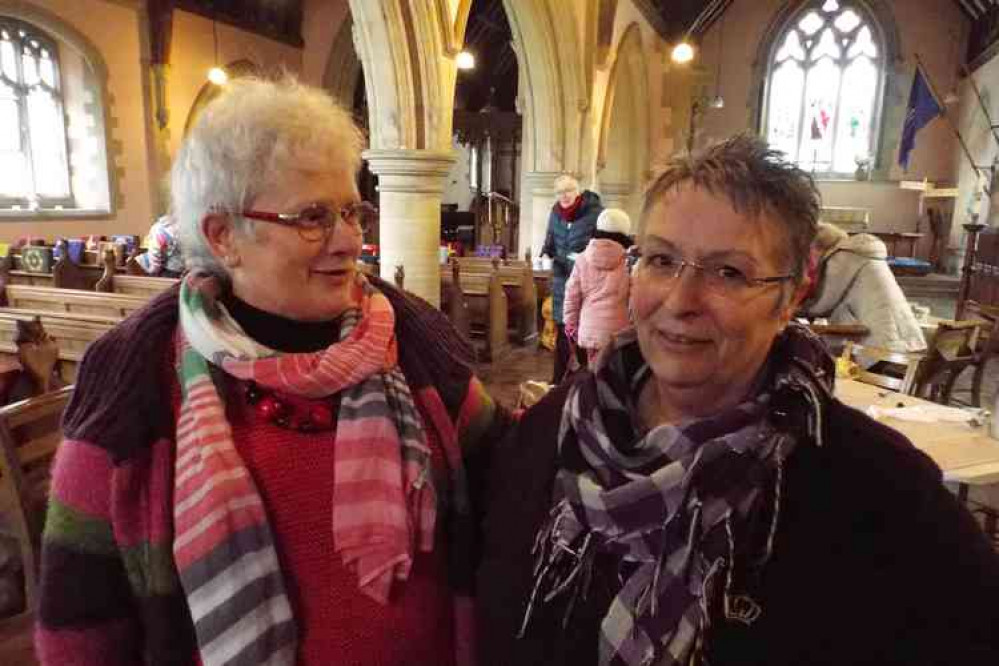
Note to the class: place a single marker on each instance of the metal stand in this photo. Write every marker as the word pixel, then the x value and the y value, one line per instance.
pixel 968 270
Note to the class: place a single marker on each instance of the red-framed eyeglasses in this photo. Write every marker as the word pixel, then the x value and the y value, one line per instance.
pixel 316 221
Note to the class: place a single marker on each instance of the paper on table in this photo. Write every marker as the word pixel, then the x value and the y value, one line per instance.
pixel 921 413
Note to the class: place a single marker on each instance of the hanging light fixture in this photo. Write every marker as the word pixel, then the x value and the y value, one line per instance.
pixel 718 102
pixel 682 52
pixel 465 60
pixel 216 74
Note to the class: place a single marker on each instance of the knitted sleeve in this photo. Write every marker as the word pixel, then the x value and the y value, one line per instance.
pixel 86 612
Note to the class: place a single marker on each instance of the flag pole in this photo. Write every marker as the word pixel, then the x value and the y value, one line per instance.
pixel 943 112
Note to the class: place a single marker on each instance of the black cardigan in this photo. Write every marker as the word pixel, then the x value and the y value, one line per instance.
pixel 874 560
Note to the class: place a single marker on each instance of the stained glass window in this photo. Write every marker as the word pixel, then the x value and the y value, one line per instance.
pixel 34 169
pixel 824 79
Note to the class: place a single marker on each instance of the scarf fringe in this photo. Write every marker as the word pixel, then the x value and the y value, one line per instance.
pixel 680 558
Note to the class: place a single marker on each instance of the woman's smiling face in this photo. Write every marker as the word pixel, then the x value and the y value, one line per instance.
pixel 704 348
pixel 280 272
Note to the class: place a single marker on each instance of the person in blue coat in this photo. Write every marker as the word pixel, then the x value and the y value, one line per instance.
pixel 570 227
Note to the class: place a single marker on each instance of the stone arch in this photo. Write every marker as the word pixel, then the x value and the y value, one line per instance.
pixel 552 85
pixel 210 91
pixel 343 67
pixel 403 48
pixel 604 27
pixel 622 151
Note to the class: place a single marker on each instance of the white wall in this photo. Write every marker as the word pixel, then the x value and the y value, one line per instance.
pixel 456 189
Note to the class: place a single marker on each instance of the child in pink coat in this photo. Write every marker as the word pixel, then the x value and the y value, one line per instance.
pixel 596 296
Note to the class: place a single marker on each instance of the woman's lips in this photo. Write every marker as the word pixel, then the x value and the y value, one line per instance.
pixel 680 340
pixel 334 272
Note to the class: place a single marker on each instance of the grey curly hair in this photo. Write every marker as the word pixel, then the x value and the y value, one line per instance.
pixel 247 141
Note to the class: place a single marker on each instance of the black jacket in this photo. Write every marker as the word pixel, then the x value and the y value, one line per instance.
pixel 874 561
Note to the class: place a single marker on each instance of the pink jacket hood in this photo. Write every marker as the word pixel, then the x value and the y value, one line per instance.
pixel 596 295
pixel 605 254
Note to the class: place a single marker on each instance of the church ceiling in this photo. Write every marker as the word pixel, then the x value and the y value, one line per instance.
pixel 277 19
pixel 676 19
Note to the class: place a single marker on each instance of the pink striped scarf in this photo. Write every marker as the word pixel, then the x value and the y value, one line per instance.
pixel 384 504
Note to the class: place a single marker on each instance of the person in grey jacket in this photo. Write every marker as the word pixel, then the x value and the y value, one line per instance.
pixel 854 285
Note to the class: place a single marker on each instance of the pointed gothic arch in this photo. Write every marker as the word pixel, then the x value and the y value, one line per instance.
pixel 623 147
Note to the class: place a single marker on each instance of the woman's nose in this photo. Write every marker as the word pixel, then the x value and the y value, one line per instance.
pixel 342 238
pixel 686 293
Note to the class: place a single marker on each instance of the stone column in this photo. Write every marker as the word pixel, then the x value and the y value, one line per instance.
pixel 538 197
pixel 410 186
pixel 615 194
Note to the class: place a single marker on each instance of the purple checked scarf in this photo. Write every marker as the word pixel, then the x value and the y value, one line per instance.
pixel 675 505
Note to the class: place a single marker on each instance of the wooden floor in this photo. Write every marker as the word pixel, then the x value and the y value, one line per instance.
pixel 502 382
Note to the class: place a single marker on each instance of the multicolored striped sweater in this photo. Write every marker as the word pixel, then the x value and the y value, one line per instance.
pixel 109 588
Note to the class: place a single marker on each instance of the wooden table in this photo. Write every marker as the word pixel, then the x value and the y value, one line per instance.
pixel 893 238
pixel 965 454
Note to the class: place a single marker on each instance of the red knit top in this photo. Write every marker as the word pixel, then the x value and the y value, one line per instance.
pixel 338 624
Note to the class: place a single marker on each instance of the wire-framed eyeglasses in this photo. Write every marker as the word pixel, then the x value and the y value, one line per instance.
pixel 718 278
pixel 317 221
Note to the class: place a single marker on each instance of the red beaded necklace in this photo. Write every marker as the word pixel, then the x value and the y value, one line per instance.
pixel 316 417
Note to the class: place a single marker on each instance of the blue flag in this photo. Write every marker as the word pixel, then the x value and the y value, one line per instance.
pixel 923 107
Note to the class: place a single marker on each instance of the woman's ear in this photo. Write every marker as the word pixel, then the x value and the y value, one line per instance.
pixel 794 302
pixel 221 237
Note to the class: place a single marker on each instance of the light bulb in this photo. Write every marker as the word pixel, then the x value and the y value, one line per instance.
pixel 717 102
pixel 465 60
pixel 682 52
pixel 218 76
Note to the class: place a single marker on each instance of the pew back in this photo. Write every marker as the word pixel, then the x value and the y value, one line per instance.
pixel 145 286
pixel 72 334
pixel 73 301
pixel 29 437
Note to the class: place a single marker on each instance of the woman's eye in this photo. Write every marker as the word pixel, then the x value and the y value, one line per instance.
pixel 662 261
pixel 730 273
pixel 314 216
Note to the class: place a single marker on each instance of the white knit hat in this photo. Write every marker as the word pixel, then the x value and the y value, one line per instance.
pixel 614 220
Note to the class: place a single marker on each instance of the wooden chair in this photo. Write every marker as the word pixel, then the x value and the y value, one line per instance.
pixel 952 350
pixel 29 436
pixel 835 336
pixel 986 347
pixel 867 358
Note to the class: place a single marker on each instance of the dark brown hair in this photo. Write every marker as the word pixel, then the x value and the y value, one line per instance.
pixel 755 179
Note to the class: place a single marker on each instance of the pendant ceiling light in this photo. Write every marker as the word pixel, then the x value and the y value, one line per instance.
pixel 217 74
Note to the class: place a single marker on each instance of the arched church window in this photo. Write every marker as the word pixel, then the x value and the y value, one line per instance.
pixel 824 83
pixel 34 163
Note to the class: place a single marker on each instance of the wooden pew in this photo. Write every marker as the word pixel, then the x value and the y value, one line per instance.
pixel 72 333
pixel 517 280
pixel 477 302
pixel 66 274
pixel 454 303
pixel 145 286
pixel 72 301
pixel 29 437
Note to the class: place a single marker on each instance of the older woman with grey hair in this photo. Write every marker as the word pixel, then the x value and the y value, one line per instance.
pixel 699 496
pixel 268 464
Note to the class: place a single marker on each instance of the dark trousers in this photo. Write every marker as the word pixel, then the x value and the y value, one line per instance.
pixel 562 350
